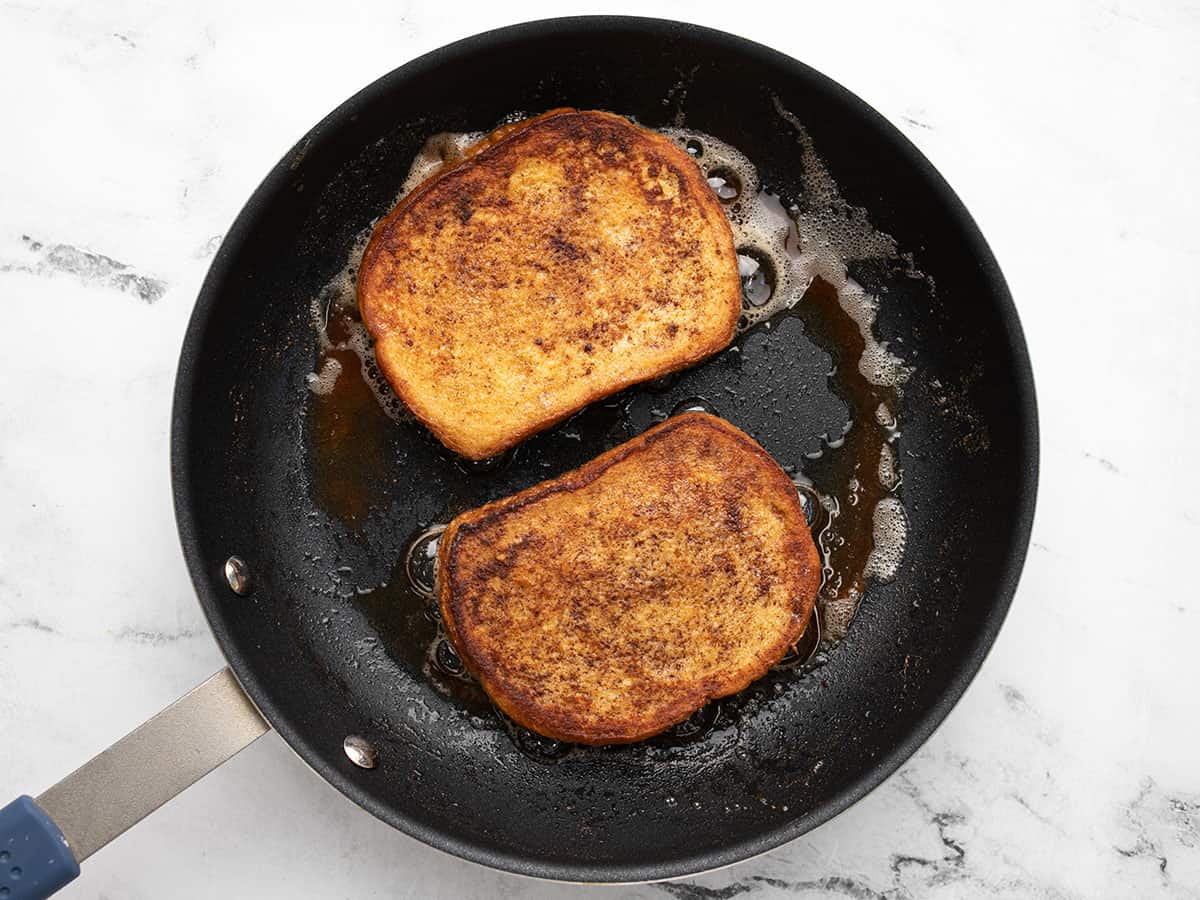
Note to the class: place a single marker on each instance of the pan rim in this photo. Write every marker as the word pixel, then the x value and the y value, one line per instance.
pixel 682 865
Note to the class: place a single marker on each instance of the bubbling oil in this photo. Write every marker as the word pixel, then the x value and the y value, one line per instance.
pixel 334 311
pixel 793 263
pixel 445 148
pixel 342 337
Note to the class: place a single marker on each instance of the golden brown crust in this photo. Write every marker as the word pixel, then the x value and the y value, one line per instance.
pixel 610 603
pixel 574 255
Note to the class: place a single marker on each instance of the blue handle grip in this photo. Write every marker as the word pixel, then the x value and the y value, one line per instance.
pixel 35 860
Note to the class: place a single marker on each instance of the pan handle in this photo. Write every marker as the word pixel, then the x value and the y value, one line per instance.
pixel 43 842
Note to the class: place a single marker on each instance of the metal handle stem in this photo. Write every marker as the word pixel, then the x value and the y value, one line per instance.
pixel 139 773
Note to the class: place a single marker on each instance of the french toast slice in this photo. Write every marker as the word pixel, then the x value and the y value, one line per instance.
pixel 606 605
pixel 563 259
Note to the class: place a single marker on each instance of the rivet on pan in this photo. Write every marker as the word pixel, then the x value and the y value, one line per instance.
pixel 361 751
pixel 237 574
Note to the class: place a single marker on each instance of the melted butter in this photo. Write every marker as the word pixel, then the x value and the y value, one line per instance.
pixel 349 414
pixel 843 479
pixel 793 263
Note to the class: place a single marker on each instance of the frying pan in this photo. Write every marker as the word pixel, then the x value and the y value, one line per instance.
pixel 293 585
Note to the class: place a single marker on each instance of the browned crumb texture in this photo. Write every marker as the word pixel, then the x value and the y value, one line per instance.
pixel 611 603
pixel 571 257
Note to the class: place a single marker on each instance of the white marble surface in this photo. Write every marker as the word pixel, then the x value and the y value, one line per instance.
pixel 134 131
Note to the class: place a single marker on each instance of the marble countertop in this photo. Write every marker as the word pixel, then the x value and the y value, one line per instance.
pixel 1070 768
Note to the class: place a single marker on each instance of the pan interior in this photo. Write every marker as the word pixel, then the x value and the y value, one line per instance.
pixel 324 501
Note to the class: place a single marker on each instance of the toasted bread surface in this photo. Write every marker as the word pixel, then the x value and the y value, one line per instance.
pixel 570 257
pixel 611 603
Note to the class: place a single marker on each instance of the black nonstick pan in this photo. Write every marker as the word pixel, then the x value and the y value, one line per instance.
pixel 298 504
